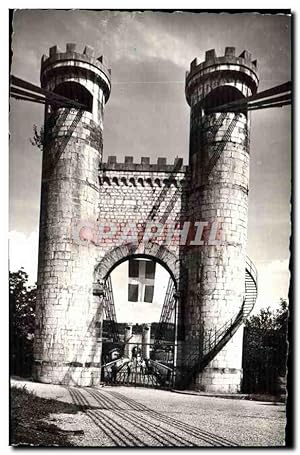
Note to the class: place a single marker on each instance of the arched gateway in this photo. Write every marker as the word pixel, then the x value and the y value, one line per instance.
pixel 192 219
pixel 149 250
pixel 158 357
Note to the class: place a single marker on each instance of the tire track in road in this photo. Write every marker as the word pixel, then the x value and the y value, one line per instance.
pixel 151 428
pixel 119 435
pixel 159 427
pixel 206 436
pixel 79 399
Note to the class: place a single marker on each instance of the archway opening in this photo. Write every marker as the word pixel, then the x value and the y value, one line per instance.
pixel 77 92
pixel 223 95
pixel 139 325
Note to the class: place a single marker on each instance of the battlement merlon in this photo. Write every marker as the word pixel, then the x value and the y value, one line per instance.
pixel 95 68
pixel 144 166
pixel 241 67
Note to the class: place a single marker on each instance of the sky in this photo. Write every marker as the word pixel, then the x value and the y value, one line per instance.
pixel 147 114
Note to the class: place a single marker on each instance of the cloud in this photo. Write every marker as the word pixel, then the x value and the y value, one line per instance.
pixel 155 42
pixel 137 37
pixel 273 283
pixel 278 266
pixel 23 252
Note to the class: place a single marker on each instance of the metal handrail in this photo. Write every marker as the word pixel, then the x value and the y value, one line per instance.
pixel 216 337
pixel 250 267
pixel 158 364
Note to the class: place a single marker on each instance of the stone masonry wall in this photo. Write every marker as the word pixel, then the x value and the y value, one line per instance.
pixel 137 194
pixel 216 284
pixel 66 268
pixel 67 341
pixel 140 193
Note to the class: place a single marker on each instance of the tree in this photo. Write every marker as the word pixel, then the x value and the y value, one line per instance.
pixel 22 301
pixel 38 137
pixel 265 350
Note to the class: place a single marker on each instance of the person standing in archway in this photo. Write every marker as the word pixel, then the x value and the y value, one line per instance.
pixel 128 372
pixel 114 371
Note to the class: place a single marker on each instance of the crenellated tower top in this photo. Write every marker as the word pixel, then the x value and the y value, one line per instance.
pixel 74 64
pixel 239 72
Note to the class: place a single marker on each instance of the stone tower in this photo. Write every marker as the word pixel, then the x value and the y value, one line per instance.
pixel 219 166
pixel 67 338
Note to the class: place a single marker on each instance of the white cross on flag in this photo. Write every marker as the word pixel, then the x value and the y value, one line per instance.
pixel 141 277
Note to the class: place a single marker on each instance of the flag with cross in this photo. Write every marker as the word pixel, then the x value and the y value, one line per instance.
pixel 141 277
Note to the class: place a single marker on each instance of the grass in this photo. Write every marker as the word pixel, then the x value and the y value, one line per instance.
pixel 27 425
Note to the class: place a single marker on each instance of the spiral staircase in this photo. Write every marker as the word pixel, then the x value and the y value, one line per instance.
pixel 196 361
